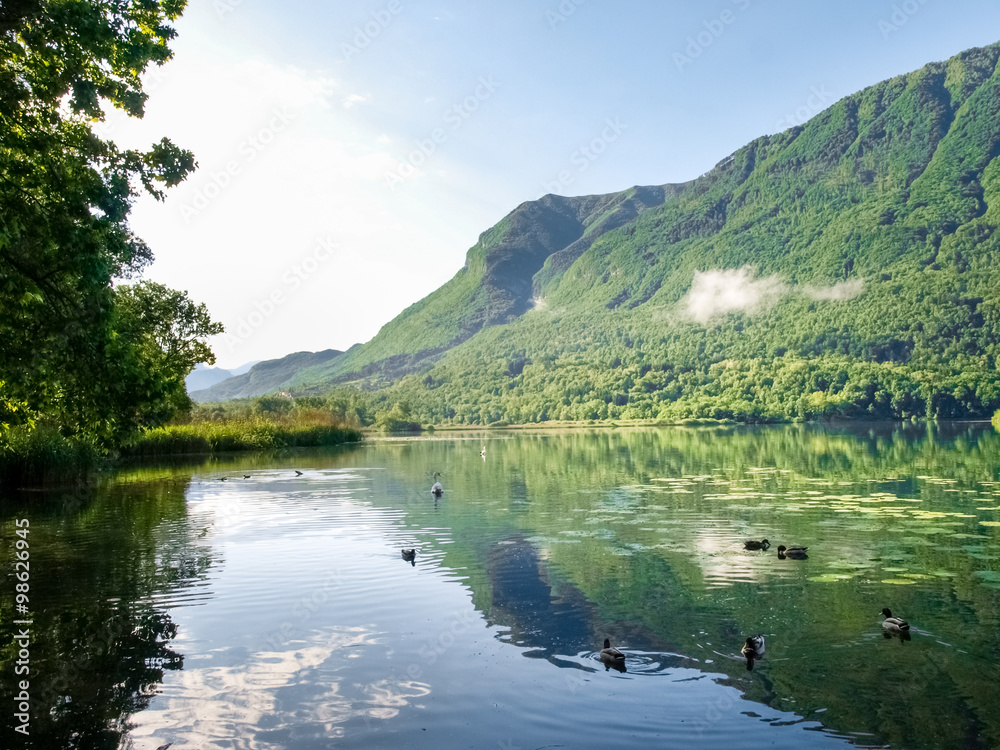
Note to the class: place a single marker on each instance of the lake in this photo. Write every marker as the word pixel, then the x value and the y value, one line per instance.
pixel 275 609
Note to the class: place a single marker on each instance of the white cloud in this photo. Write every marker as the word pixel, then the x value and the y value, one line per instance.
pixel 353 99
pixel 842 290
pixel 719 292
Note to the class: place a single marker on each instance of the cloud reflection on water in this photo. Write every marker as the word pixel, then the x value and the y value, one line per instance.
pixel 212 704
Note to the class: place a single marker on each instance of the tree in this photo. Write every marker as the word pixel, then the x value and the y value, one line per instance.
pixel 65 198
pixel 396 419
pixel 158 339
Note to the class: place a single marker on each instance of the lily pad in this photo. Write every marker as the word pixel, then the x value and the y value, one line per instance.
pixel 900 581
pixel 831 577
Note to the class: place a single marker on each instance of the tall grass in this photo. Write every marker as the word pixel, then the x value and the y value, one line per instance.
pixel 996 419
pixel 41 455
pixel 247 434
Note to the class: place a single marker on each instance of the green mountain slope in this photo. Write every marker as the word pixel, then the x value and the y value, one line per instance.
pixel 539 239
pixel 263 377
pixel 846 267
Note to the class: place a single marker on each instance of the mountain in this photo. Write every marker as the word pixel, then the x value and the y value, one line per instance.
pixel 502 279
pixel 262 377
pixel 204 376
pixel 849 267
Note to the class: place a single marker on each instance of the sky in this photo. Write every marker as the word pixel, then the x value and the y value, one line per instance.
pixel 350 153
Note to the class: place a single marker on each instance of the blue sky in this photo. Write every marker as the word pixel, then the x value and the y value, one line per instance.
pixel 350 153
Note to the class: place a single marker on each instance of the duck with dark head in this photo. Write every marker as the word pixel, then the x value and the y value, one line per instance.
pixel 753 649
pixel 611 657
pixel 792 553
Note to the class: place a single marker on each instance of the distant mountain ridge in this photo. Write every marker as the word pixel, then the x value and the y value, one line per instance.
pixel 263 377
pixel 846 267
pixel 203 376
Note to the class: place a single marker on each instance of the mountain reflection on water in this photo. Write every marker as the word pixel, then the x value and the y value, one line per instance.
pixel 275 611
pixel 524 603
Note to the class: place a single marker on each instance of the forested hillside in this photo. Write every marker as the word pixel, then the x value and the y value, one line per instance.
pixel 847 267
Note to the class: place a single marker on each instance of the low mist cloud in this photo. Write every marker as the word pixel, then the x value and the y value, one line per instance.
pixel 719 292
pixel 537 303
pixel 729 290
pixel 842 290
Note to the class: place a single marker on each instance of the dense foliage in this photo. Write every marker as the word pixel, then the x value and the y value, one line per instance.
pixel 845 268
pixel 80 356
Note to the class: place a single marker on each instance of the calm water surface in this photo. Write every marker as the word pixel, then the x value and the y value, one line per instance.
pixel 276 611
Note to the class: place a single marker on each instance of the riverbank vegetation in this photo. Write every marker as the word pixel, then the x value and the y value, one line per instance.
pixel 255 434
pixel 90 357
pixel 262 424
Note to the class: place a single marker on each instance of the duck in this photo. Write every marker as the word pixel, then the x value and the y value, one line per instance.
pixel 246 476
pixel 410 555
pixel 298 473
pixel 753 649
pixel 436 489
pixel 762 544
pixel 610 654
pixel 794 553
pixel 894 624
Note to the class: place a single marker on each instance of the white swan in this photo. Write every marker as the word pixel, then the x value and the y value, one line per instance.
pixel 436 489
